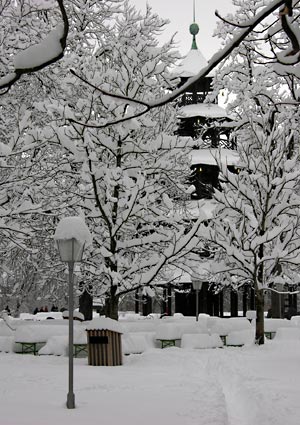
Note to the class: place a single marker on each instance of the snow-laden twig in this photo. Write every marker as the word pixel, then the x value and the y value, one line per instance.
pixel 282 292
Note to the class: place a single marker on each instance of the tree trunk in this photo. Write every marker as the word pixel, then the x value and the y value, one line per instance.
pixel 86 305
pixel 260 310
pixel 111 306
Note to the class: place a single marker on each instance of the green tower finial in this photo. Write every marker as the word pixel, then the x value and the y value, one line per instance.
pixel 194 29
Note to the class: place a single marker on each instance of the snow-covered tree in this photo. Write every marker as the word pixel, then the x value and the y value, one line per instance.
pixel 125 178
pixel 122 178
pixel 257 221
pixel 52 47
pixel 33 171
pixel 258 209
pixel 50 81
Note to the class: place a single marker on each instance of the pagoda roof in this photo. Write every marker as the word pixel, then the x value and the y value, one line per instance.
pixel 212 156
pixel 191 64
pixel 207 110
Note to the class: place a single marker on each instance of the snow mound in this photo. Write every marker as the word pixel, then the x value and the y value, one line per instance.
pixel 236 324
pixel 290 334
pixel 4 329
pixel 6 344
pixel 130 316
pixel 195 328
pixel 201 341
pixel 37 333
pixel 141 325
pixel 295 320
pixel 56 345
pixel 251 314
pixel 137 342
pixel 76 315
pixel 271 325
pixel 73 227
pixel 168 331
pixel 41 315
pixel 219 328
pixel 242 337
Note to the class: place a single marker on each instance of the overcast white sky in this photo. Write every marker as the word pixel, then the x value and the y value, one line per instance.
pixel 180 14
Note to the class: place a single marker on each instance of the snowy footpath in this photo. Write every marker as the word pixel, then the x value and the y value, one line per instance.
pixel 174 386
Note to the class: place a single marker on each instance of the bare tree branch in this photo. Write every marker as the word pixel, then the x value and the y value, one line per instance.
pixel 292 37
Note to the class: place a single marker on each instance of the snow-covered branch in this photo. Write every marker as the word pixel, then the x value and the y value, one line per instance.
pixel 41 55
pixel 215 60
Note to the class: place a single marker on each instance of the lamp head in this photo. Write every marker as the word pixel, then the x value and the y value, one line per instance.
pixel 197 285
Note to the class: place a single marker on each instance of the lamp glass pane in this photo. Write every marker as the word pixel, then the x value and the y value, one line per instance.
pixel 70 250
pixel 197 284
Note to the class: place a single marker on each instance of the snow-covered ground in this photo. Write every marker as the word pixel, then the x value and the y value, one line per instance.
pixel 174 386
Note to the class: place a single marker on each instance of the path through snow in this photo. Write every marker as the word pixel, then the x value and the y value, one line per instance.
pixel 173 386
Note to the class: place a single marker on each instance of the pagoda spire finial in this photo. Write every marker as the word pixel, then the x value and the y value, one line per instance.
pixel 194 19
pixel 194 28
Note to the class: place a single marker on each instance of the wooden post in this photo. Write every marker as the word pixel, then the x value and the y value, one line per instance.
pixel 221 304
pixel 233 303
pixel 169 291
pixel 245 300
pixel 137 302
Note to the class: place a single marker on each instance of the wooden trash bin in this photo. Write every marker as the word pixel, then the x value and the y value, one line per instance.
pixel 104 342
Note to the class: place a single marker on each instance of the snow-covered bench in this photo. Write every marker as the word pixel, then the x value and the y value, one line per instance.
pixel 167 334
pixel 287 334
pixel 30 339
pixel 58 345
pixel 272 325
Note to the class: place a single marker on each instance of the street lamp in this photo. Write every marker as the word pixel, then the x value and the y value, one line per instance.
pixel 71 236
pixel 197 285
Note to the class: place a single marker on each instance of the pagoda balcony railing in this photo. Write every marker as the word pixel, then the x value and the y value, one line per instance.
pixel 191 99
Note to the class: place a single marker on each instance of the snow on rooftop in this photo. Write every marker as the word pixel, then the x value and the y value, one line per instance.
pixel 105 323
pixel 191 64
pixel 73 227
pixel 197 207
pixel 213 156
pixel 208 110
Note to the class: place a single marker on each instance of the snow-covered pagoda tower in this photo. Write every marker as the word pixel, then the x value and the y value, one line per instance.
pixel 209 125
pixel 203 120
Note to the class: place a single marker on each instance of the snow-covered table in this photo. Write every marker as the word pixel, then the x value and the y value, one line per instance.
pixel 80 348
pixel 168 334
pixel 168 342
pixel 30 347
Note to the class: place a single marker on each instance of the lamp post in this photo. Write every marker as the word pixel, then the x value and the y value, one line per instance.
pixel 197 285
pixel 71 236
